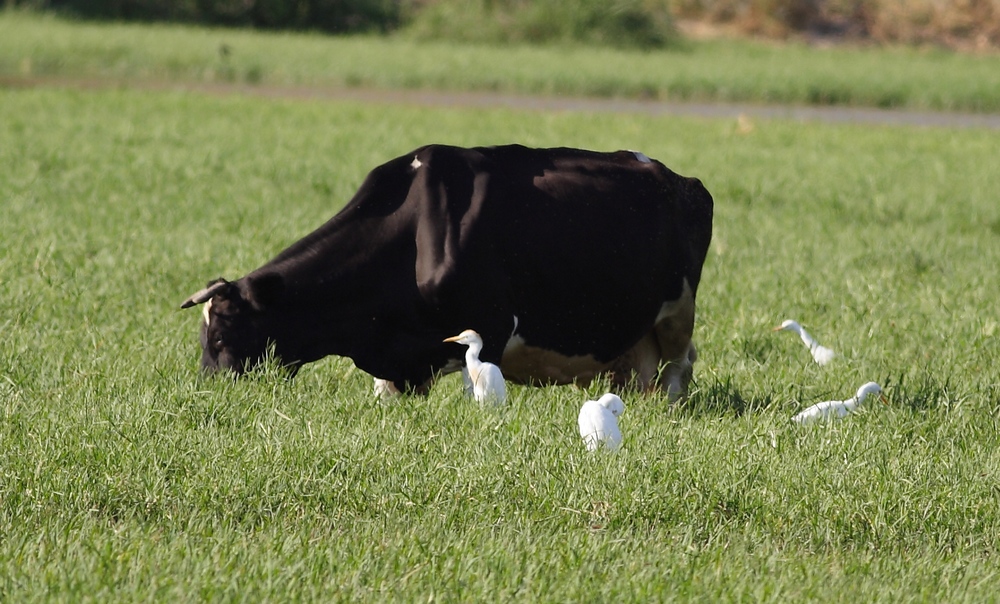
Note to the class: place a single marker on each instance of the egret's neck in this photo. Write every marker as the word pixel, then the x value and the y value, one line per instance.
pixel 860 397
pixel 808 339
pixel 472 357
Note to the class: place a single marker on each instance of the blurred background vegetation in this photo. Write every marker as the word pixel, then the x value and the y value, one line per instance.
pixel 955 23
pixel 964 24
pixel 620 23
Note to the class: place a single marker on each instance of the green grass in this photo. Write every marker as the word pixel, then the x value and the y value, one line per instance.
pixel 126 477
pixel 33 46
pixel 631 24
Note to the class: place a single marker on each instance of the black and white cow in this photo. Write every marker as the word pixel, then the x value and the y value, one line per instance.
pixel 568 263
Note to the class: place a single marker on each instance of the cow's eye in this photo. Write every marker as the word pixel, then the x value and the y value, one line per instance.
pixel 217 343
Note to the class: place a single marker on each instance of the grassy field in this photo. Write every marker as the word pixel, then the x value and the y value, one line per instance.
pixel 126 477
pixel 33 46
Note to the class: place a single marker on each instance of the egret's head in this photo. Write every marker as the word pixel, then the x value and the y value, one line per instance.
pixel 788 325
pixel 871 388
pixel 468 337
pixel 612 403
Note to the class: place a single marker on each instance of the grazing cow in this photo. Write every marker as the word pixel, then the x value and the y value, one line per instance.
pixel 568 263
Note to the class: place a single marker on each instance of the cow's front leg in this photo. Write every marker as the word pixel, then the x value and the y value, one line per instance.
pixel 387 389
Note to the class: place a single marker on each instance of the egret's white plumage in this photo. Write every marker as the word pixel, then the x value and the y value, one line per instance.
pixel 838 409
pixel 821 354
pixel 467 383
pixel 486 380
pixel 599 422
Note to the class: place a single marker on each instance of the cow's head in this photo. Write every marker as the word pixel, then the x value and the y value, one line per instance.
pixel 237 329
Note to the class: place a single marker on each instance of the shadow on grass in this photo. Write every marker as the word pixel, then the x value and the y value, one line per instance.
pixel 920 392
pixel 721 397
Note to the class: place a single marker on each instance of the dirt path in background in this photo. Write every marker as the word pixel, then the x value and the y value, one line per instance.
pixel 427 98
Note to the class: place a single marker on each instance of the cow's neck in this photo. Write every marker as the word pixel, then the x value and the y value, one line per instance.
pixel 344 252
pixel 332 305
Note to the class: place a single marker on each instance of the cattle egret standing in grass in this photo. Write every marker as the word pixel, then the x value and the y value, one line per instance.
pixel 821 354
pixel 838 409
pixel 599 422
pixel 487 381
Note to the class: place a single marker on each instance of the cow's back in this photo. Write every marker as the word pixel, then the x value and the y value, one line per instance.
pixel 592 243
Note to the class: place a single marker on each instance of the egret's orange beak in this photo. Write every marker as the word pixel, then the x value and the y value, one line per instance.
pixel 882 397
pixel 778 328
pixel 452 338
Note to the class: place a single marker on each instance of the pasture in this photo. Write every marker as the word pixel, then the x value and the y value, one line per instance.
pixel 34 47
pixel 127 477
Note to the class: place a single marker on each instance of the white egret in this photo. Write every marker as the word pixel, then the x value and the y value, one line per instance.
pixel 487 381
pixel 821 354
pixel 599 422
pixel 838 409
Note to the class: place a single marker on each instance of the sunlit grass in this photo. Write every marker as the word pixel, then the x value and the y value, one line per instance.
pixel 32 46
pixel 126 476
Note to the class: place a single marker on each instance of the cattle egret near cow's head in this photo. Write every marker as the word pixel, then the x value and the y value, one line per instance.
pixel 599 422
pixel 821 354
pixel 487 381
pixel 838 409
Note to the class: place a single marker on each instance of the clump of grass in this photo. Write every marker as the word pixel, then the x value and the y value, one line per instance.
pixel 617 23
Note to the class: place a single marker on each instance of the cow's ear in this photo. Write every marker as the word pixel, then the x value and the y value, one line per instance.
pixel 204 295
pixel 265 289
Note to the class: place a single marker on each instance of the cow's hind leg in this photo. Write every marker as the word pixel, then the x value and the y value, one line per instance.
pixel 674 328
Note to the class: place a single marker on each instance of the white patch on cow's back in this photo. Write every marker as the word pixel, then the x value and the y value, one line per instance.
pixel 642 157
pixel 206 310
pixel 416 163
